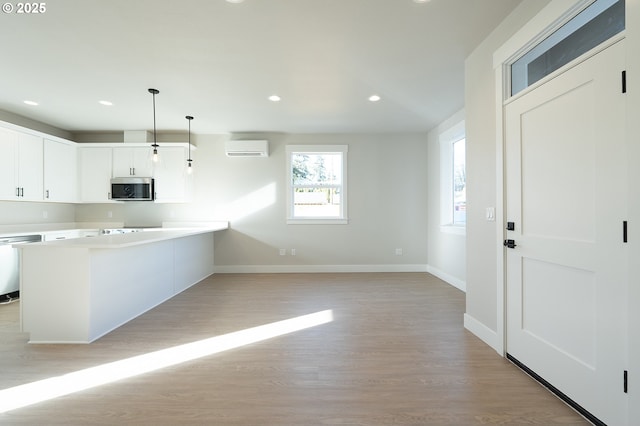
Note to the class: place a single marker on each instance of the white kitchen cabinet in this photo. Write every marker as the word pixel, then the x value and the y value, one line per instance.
pixel 22 174
pixel 95 174
pixel 132 161
pixel 60 171
pixel 8 152
pixel 30 173
pixel 172 184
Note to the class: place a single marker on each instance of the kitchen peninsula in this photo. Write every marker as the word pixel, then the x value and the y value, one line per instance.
pixel 77 290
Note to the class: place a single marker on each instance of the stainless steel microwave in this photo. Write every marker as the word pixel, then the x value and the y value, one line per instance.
pixel 132 189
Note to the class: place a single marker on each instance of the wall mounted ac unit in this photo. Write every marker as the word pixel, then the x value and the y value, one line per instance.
pixel 247 148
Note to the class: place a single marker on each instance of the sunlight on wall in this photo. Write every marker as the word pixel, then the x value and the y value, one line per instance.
pixel 250 203
pixel 32 393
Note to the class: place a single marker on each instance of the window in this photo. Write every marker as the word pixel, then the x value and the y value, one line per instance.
pixel 317 184
pixel 453 180
pixel 597 23
pixel 459 183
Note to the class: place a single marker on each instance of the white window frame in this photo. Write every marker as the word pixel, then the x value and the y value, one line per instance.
pixel 447 139
pixel 317 149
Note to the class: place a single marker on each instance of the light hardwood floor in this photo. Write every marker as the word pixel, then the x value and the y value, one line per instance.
pixel 396 353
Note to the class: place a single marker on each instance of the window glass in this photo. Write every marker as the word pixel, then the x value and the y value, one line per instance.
pixel 316 190
pixel 597 23
pixel 459 183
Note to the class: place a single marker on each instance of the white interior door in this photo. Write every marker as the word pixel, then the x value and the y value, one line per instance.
pixel 566 276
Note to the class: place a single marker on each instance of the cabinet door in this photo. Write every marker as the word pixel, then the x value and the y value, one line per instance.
pixel 171 180
pixel 8 172
pixel 60 172
pixel 142 161
pixel 132 161
pixel 95 174
pixel 30 173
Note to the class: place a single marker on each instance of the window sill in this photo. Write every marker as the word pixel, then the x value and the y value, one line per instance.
pixel 317 221
pixel 453 229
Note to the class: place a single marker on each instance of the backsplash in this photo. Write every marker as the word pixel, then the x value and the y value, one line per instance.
pixel 20 212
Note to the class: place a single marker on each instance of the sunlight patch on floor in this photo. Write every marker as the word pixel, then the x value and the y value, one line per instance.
pixel 43 390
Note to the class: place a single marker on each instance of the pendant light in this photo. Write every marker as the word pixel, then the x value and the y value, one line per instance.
pixel 155 145
pixel 189 160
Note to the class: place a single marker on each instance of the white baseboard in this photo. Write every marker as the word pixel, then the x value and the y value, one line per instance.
pixel 283 269
pixel 450 279
pixel 483 332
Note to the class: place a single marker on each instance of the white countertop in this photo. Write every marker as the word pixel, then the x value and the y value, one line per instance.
pixel 114 241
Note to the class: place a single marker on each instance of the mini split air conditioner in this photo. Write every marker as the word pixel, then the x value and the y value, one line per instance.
pixel 247 148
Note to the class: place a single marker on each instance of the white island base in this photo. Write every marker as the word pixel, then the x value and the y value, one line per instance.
pixel 75 291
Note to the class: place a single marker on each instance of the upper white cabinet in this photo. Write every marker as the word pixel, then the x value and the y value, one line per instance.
pixel 101 161
pixel 60 171
pixel 95 164
pixel 172 184
pixel 22 174
pixel 132 161
pixel 8 152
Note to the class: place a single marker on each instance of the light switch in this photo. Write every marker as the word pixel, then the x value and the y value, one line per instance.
pixel 491 214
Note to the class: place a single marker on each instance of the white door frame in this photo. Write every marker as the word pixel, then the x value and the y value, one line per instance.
pixel 554 14
pixel 552 17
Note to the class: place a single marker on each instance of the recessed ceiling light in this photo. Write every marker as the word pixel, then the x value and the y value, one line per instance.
pixel 421 1
pixel 105 103
pixel 235 1
pixel 275 98
pixel 32 103
pixel 374 98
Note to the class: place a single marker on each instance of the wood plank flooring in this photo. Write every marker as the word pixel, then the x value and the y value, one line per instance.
pixel 396 353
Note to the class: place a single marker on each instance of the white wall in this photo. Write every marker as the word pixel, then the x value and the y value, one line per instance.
pixel 387 175
pixel 480 107
pixel 19 212
pixel 447 251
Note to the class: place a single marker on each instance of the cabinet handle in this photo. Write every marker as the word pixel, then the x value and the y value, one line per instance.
pixel 47 194
pixel 109 195
pixel 17 191
pixel 22 191
pixel 134 171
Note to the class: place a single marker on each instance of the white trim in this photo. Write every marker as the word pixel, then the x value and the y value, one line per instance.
pixel 483 332
pixel 279 269
pixel 550 18
pixel 318 149
pixel 453 229
pixel 501 335
pixel 555 14
pixel 302 221
pixel 448 278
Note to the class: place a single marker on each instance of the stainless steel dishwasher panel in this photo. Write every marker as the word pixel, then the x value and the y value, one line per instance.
pixel 10 265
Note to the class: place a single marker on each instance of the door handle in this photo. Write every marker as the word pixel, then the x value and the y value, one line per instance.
pixel 509 244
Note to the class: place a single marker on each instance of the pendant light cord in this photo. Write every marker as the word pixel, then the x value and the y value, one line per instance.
pixel 155 145
pixel 189 160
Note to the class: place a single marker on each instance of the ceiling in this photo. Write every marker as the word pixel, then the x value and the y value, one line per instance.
pixel 220 61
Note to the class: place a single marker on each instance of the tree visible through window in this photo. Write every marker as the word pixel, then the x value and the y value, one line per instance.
pixel 459 183
pixel 316 182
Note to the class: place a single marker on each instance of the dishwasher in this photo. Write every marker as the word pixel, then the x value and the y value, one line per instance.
pixel 10 266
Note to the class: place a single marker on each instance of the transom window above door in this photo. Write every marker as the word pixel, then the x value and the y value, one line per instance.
pixel 595 24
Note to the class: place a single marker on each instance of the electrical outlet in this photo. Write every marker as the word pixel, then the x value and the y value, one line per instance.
pixel 45 214
pixel 283 252
pixel 398 252
pixel 109 213
pixel 293 252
